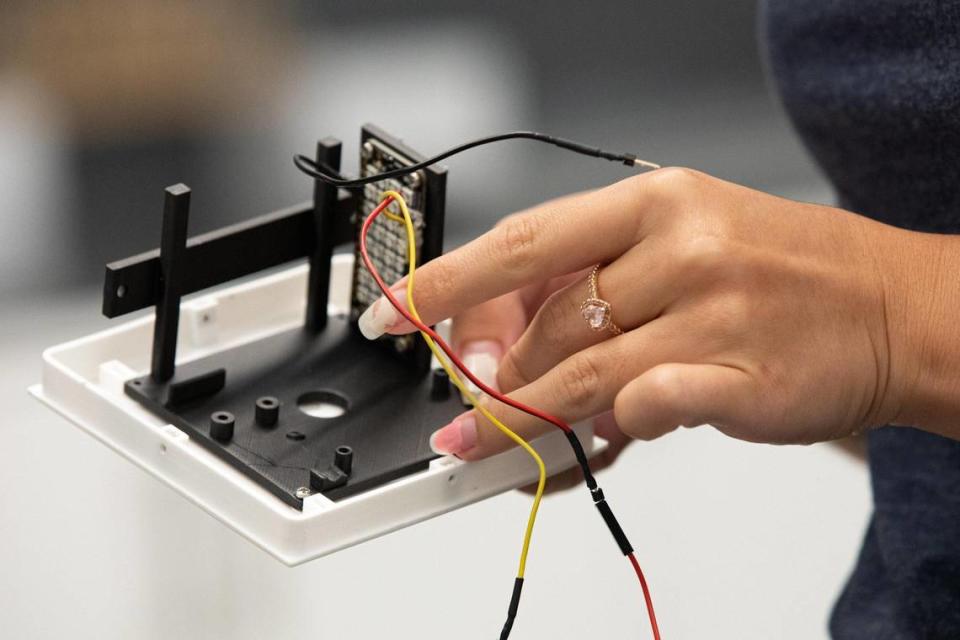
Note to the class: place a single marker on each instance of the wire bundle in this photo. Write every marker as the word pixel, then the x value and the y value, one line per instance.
pixel 440 348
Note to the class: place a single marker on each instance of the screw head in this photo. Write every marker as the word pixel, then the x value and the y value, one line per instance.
pixel 303 492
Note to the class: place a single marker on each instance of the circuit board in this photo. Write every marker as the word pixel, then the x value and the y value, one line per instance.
pixel 387 240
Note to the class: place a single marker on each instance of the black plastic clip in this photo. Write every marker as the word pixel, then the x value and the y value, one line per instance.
pixel 337 474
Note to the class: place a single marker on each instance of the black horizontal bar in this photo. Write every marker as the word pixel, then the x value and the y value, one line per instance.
pixel 222 255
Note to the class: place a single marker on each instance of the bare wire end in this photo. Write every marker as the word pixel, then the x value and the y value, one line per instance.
pixel 637 162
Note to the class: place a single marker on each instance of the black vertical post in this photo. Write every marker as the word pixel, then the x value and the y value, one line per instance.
pixel 173 246
pixel 324 202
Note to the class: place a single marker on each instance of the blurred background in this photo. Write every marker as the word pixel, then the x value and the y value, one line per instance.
pixel 103 103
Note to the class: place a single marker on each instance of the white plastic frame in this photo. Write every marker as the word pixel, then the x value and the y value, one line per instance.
pixel 83 381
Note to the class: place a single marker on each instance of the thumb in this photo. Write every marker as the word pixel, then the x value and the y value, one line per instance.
pixel 672 395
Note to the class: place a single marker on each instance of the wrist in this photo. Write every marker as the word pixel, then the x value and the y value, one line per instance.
pixel 922 309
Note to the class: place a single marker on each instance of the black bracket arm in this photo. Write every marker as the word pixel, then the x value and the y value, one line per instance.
pixel 227 253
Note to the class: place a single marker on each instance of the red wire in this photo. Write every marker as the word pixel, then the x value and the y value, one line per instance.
pixel 646 596
pixel 557 422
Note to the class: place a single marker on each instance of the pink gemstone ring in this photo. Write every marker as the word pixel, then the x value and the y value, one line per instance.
pixel 595 310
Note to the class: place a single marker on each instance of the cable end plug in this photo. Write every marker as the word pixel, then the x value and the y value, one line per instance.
pixel 631 160
pixel 512 610
pixel 600 502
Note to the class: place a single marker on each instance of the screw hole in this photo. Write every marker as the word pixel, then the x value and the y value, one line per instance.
pixel 295 435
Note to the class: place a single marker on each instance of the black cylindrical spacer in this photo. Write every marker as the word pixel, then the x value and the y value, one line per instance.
pixel 267 411
pixel 343 458
pixel 439 385
pixel 221 425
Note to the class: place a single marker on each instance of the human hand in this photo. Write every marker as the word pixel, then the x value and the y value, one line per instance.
pixel 766 318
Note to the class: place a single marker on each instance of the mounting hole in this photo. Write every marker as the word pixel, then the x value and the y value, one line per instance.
pixel 268 402
pixel 121 291
pixel 137 383
pixel 295 435
pixel 323 404
pixel 344 450
pixel 222 416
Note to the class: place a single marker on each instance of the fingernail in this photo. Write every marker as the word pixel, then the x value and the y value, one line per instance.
pixel 378 317
pixel 482 358
pixel 457 437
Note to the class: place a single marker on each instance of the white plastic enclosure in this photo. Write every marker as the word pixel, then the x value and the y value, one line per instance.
pixel 83 380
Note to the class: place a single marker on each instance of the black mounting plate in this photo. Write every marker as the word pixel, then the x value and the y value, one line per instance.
pixel 388 420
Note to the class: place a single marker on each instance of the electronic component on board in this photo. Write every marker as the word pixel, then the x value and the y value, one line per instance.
pixel 424 191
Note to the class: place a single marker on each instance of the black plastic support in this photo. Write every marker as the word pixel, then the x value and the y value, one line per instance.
pixel 324 204
pixel 228 253
pixel 173 245
pixel 267 411
pixel 185 390
pixel 258 419
pixel 439 385
pixel 335 475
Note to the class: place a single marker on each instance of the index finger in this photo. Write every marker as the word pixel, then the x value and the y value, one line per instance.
pixel 551 239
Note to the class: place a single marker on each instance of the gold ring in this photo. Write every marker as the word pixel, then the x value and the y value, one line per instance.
pixel 595 310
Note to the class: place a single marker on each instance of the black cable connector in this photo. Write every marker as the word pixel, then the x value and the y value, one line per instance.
pixel 611 520
pixel 311 168
pixel 512 609
pixel 597 494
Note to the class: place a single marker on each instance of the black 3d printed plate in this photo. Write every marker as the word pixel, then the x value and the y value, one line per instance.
pixel 390 411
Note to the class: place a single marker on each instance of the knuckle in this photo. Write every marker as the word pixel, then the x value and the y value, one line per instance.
pixel 579 381
pixel 510 375
pixel 703 255
pixel 664 383
pixel 516 240
pixel 674 178
pixel 551 321
pixel 737 308
pixel 441 281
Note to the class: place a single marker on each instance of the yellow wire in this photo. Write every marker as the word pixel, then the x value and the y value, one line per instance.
pixel 407 221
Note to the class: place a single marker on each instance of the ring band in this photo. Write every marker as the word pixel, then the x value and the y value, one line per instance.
pixel 595 310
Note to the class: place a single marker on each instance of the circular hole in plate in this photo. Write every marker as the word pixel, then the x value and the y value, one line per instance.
pixel 323 404
pixel 295 435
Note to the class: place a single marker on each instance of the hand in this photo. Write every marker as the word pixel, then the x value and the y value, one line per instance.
pixel 769 319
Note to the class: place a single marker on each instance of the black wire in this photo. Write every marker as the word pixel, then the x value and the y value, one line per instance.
pixel 314 170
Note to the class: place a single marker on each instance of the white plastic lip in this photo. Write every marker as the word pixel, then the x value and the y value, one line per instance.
pixel 83 381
